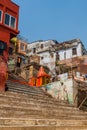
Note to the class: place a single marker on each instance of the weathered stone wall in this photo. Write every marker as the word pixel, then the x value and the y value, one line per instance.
pixel 63 91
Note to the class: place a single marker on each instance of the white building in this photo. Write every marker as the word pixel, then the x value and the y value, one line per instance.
pixel 51 51
pixel 46 52
pixel 70 49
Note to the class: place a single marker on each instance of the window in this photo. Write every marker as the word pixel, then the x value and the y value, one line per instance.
pixel 19 61
pixel 57 56
pixel 10 20
pixel 24 61
pixel 74 51
pixel 41 46
pixel 0 15
pixel 10 50
pixel 7 19
pixel 34 50
pixel 42 58
pixel 64 55
pixel 22 47
pixel 1 52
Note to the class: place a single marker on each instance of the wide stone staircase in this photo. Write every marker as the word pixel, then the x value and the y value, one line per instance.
pixel 28 108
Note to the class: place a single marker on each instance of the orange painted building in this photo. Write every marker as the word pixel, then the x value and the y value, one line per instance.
pixel 42 77
pixel 9 14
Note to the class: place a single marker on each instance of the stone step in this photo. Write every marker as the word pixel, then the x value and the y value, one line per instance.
pixel 38 105
pixel 27 98
pixel 23 111
pixel 48 127
pixel 44 108
pixel 26 122
pixel 24 87
pixel 38 96
pixel 6 111
pixel 26 92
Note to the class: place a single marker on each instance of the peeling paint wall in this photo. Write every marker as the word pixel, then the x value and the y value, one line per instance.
pixel 63 91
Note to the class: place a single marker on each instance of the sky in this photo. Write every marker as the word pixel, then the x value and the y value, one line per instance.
pixel 60 20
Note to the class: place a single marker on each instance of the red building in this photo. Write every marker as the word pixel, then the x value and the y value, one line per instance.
pixel 9 14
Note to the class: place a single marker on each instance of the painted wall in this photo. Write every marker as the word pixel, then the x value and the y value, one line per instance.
pixel 4 35
pixel 62 92
pixel 48 60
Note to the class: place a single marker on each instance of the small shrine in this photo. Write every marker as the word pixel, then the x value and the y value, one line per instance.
pixel 42 77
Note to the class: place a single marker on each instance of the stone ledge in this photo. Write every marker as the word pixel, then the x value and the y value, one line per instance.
pixel 44 128
pixel 41 122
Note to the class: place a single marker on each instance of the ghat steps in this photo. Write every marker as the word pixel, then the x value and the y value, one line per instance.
pixel 28 107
